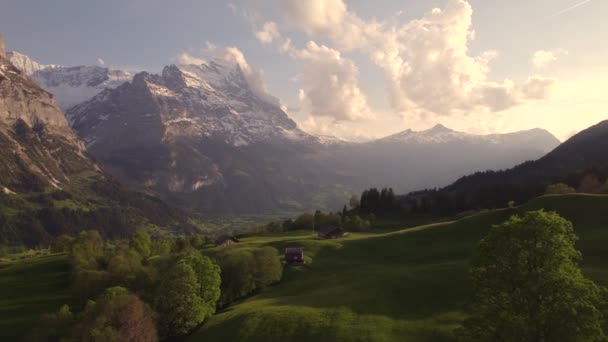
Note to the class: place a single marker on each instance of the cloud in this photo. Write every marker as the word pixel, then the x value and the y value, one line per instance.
pixel 186 58
pixel 537 88
pixel 268 33
pixel 427 65
pixel 327 127
pixel 100 61
pixel 253 76
pixel 541 58
pixel 330 19
pixel 330 84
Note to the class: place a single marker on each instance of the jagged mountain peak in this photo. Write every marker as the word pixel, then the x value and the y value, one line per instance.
pixel 439 128
pixel 26 64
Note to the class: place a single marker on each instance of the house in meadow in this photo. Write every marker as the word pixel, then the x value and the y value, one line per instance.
pixel 294 255
pixel 225 240
pixel 331 232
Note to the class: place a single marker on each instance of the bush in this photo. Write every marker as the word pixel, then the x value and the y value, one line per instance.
pixel 62 244
pixel 529 287
pixel 559 189
pixel 117 316
pixel 248 272
pixel 356 224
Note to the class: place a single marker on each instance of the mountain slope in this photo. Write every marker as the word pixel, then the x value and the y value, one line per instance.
pixel 201 137
pixel 49 185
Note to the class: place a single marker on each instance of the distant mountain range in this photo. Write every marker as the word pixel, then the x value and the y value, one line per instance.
pixel 581 156
pixel 200 137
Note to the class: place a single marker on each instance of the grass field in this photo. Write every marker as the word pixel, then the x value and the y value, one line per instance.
pixel 408 285
pixel 29 288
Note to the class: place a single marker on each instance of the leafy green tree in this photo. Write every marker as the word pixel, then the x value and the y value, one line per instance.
pixel 318 220
pixel 268 267
pixel 178 301
pixel 62 244
pixel 198 241
pixel 356 224
pixel 141 243
pixel 287 225
pixel 125 267
pixel 304 222
pixel 162 246
pixel 238 276
pixel 559 189
pixel 87 250
pixel 354 202
pixel 116 316
pixel 55 326
pixel 181 245
pixel 208 276
pixel 528 286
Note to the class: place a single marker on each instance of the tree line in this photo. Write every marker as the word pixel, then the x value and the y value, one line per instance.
pixel 145 289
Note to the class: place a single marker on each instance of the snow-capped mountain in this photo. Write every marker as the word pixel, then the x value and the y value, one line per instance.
pixel 69 85
pixel 439 134
pixel 26 64
pixel 211 100
pixel 201 136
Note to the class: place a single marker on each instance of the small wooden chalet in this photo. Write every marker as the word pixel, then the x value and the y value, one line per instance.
pixel 225 240
pixel 294 255
pixel 331 232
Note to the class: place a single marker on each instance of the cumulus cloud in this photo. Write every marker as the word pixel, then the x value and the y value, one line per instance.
pixel 186 58
pixel 428 67
pixel 268 33
pixel 253 76
pixel 330 84
pixel 542 58
pixel 330 19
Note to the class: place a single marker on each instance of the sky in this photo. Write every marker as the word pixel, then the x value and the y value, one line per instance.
pixel 355 69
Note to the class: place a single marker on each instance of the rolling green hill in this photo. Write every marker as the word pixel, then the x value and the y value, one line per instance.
pixel 408 285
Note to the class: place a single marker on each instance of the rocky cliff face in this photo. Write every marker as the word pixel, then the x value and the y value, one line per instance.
pixel 39 148
pixel 48 183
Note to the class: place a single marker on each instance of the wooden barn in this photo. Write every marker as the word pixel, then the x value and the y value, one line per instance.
pixel 294 255
pixel 331 232
pixel 225 240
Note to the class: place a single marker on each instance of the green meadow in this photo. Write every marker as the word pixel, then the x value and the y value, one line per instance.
pixel 405 285
pixel 29 288
pixel 409 285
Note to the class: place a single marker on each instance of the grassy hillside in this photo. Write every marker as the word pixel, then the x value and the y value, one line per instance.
pixel 28 289
pixel 409 285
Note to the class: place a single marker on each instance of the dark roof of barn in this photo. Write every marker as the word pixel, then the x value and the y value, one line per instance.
pixel 294 250
pixel 225 238
pixel 329 229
